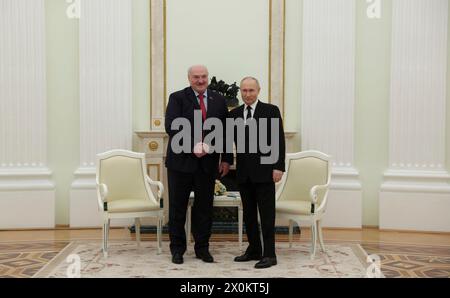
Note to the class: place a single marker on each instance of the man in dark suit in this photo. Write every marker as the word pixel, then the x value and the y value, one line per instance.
pixel 195 170
pixel 256 178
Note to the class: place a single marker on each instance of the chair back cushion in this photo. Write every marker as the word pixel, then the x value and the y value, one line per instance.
pixel 303 174
pixel 124 177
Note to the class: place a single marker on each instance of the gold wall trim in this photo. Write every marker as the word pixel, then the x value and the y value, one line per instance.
pixel 155 48
pixel 153 146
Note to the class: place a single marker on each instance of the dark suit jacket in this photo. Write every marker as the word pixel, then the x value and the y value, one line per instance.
pixel 182 104
pixel 248 165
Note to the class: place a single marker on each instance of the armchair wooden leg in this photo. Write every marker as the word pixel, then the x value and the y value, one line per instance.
pixel 314 239
pixel 108 225
pixel 158 235
pixel 319 228
pixel 137 225
pixel 105 237
pixel 291 232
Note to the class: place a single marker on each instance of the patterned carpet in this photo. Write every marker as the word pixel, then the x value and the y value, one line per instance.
pixel 25 259
pixel 125 259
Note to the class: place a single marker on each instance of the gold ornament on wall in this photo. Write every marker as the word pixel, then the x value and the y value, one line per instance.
pixel 153 146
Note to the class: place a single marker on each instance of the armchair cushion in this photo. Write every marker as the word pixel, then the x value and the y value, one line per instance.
pixel 131 205
pixel 300 207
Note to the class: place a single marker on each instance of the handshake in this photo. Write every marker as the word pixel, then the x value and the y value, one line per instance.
pixel 201 149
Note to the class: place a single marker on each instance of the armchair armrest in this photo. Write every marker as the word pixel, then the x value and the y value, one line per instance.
pixel 159 185
pixel 103 194
pixel 314 190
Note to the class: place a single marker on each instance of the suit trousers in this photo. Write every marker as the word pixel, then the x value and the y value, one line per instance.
pixel 259 196
pixel 180 186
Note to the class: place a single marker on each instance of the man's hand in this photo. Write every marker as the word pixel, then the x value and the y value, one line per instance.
pixel 201 149
pixel 224 168
pixel 277 175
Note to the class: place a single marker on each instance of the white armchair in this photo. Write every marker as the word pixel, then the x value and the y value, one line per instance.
pixel 302 193
pixel 123 191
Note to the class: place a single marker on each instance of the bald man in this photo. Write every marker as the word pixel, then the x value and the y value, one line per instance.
pixel 195 170
pixel 257 178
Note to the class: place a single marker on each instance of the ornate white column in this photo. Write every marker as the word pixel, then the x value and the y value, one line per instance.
pixel 328 96
pixel 27 198
pixel 415 194
pixel 105 96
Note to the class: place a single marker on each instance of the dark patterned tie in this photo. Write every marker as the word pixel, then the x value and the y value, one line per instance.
pixel 249 113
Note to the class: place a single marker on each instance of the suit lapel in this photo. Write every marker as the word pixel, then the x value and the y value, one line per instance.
pixel 259 110
pixel 209 107
pixel 191 96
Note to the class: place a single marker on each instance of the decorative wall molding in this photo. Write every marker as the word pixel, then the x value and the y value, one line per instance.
pixel 26 185
pixel 26 179
pixel 84 178
pixel 345 179
pixel 105 91
pixel 416 181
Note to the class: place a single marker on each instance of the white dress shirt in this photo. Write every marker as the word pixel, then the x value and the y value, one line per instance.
pixel 205 98
pixel 253 106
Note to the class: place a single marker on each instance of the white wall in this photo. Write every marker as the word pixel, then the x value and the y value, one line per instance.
pixel 230 37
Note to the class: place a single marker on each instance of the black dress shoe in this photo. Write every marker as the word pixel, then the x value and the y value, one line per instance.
pixel 247 257
pixel 177 258
pixel 205 256
pixel 266 263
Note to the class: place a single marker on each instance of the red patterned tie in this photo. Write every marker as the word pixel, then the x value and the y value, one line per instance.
pixel 202 105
